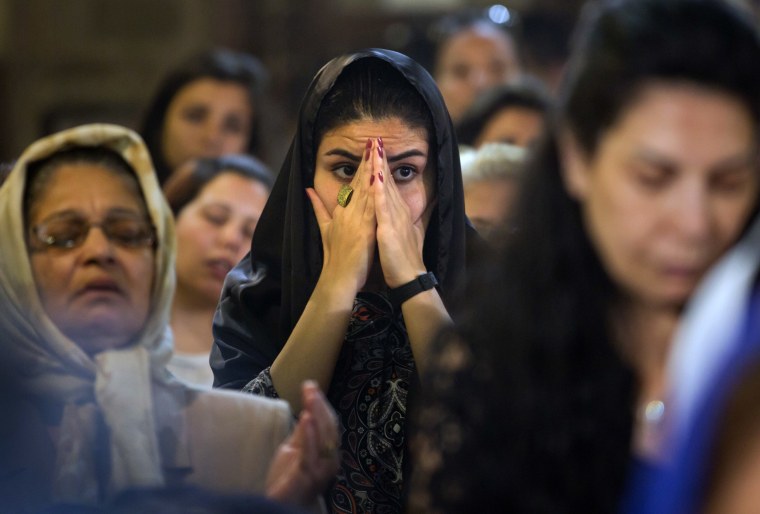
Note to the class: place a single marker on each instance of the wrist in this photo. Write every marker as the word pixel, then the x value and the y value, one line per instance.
pixel 336 289
pixel 421 283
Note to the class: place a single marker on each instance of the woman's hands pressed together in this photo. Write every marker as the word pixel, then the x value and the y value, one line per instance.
pixel 399 238
pixel 348 233
pixel 376 213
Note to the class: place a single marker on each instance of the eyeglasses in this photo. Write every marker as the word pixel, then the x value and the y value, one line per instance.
pixel 70 230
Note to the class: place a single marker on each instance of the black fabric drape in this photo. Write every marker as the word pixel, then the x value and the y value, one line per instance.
pixel 264 296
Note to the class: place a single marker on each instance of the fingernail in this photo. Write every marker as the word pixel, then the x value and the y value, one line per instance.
pixel 371 180
pixel 380 176
pixel 380 151
pixel 367 147
pixel 380 142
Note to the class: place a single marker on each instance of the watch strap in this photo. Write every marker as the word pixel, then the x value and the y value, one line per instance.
pixel 402 293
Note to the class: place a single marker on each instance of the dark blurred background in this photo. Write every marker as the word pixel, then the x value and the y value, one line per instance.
pixel 65 62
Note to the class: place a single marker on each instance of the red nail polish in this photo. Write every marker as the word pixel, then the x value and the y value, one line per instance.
pixel 368 148
pixel 380 142
pixel 380 151
pixel 369 143
pixel 380 176
pixel 371 180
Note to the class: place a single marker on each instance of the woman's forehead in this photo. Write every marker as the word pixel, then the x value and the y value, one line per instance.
pixel 77 184
pixel 390 129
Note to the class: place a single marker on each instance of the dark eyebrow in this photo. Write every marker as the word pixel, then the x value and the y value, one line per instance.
pixel 728 164
pixel 344 153
pixel 406 155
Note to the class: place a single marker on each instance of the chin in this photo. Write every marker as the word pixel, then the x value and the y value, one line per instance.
pixel 104 333
pixel 94 344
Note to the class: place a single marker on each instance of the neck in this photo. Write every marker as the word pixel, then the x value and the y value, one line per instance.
pixel 646 334
pixel 191 323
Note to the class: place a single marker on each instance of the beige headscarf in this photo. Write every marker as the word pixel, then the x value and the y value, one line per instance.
pixel 121 385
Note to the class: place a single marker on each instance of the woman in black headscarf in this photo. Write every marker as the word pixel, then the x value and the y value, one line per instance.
pixel 340 285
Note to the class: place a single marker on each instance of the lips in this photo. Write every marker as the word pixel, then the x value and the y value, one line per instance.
pixel 219 267
pixel 100 285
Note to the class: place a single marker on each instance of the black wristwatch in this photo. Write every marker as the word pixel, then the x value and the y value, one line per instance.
pixel 400 294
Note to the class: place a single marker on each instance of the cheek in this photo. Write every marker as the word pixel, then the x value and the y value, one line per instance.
pixel 235 143
pixel 192 243
pixel 50 278
pixel 415 197
pixel 173 138
pixel 327 189
pixel 733 215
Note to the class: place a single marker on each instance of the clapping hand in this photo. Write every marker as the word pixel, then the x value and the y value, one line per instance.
pixel 308 460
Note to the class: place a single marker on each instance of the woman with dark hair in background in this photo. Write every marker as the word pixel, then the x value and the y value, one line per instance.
pixel 216 204
pixel 365 218
pixel 209 106
pixel 513 113
pixel 472 54
pixel 554 383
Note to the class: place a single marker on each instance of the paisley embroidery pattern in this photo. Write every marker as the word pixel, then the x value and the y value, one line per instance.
pixel 369 392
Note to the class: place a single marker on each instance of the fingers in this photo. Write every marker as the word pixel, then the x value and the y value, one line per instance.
pixel 388 201
pixel 324 429
pixel 323 215
pixel 363 176
pixel 321 410
pixel 309 441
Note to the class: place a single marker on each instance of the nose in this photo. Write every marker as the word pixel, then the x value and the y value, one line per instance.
pixel 479 79
pixel 693 216
pixel 212 135
pixel 231 236
pixel 97 246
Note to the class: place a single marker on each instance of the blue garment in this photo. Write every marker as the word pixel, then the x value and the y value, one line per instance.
pixel 679 486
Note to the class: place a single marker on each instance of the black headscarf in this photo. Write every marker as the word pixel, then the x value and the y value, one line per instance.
pixel 266 293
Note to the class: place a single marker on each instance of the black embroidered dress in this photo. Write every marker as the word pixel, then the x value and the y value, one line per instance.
pixel 369 391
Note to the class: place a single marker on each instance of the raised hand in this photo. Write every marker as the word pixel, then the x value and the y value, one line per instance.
pixel 308 460
pixel 348 233
pixel 399 238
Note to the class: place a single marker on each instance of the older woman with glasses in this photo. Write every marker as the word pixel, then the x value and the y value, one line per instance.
pixel 86 280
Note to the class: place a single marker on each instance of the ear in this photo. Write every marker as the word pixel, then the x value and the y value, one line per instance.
pixel 575 166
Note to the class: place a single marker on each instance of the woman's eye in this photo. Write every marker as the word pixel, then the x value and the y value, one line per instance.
pixel 217 218
pixel 345 171
pixel 731 182
pixel 234 125
pixel 404 173
pixel 248 230
pixel 652 178
pixel 194 114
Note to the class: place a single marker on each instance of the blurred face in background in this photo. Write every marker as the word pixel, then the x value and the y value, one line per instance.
pixel 668 189
pixel 489 202
pixel 471 61
pixel 206 118
pixel 214 232
pixel 516 125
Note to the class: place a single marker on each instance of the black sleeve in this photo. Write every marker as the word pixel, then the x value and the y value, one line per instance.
pixel 243 338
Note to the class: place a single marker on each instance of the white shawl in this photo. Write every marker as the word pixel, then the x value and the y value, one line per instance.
pixel 118 384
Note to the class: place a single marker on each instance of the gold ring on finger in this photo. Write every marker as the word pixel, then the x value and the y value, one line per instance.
pixel 344 195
